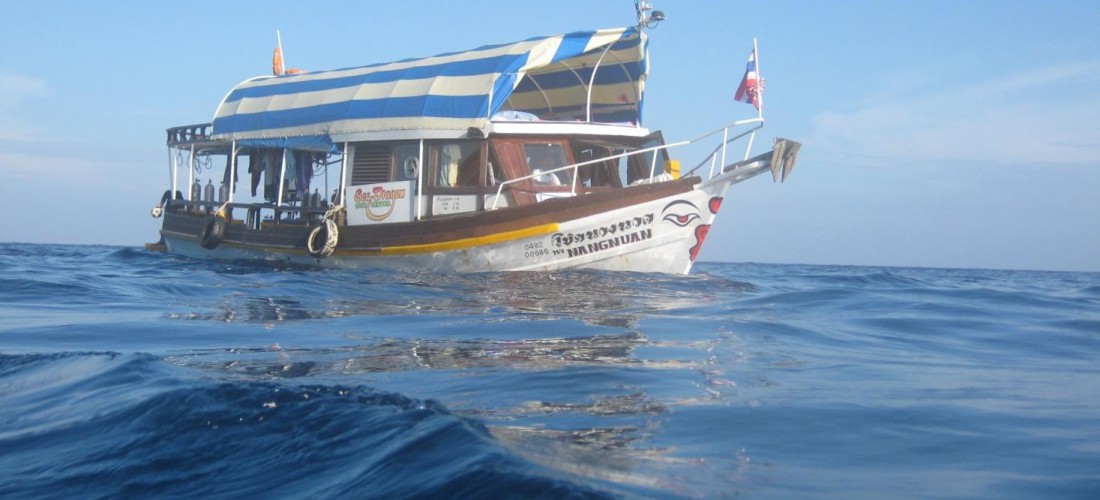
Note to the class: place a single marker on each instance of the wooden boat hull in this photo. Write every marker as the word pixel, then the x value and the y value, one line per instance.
pixel 657 227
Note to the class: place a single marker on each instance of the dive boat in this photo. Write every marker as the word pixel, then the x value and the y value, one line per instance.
pixel 520 156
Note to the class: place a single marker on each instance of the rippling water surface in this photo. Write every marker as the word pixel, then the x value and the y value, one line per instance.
pixel 124 372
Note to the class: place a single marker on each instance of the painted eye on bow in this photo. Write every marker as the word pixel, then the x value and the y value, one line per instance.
pixel 681 219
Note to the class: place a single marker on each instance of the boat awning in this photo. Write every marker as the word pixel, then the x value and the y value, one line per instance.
pixel 444 95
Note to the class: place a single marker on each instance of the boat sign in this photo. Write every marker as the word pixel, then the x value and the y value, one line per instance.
pixel 379 203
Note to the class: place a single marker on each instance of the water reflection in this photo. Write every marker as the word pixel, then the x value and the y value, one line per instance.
pixel 583 390
pixel 392 355
pixel 597 298
pixel 631 404
pixel 599 430
pixel 622 456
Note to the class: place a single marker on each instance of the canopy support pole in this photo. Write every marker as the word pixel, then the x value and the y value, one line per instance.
pixel 420 182
pixel 282 180
pixel 232 171
pixel 343 176
pixel 489 107
pixel 191 174
pixel 592 82
pixel 545 98
pixel 172 171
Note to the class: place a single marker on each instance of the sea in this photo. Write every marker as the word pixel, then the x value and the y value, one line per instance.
pixel 127 373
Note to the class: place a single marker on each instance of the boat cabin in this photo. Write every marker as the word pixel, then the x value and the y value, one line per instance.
pixel 384 180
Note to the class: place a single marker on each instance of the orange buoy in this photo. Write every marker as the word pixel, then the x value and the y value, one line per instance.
pixel 277 62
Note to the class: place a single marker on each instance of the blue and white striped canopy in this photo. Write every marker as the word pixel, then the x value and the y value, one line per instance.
pixel 444 95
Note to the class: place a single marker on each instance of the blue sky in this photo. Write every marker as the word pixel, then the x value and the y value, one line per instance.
pixel 937 133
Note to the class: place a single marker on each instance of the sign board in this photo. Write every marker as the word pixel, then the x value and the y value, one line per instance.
pixel 453 204
pixel 380 203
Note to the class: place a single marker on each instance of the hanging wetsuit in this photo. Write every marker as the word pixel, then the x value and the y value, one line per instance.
pixel 230 171
pixel 273 161
pixel 256 168
pixel 305 171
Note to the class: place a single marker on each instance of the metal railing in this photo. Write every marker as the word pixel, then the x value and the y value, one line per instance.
pixel 718 151
pixel 189 133
pixel 255 212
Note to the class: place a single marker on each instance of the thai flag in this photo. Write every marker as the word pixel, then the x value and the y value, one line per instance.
pixel 749 91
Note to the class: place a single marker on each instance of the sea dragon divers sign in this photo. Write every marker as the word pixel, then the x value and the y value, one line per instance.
pixel 379 203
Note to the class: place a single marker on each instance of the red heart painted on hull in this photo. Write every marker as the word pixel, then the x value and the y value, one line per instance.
pixel 714 204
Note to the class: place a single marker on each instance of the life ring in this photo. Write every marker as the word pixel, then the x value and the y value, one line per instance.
pixel 412 166
pixel 213 233
pixel 322 240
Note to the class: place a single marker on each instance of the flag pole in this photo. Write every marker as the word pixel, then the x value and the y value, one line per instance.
pixel 759 80
pixel 759 98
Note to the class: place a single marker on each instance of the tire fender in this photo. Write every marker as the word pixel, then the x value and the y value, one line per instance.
pixel 213 233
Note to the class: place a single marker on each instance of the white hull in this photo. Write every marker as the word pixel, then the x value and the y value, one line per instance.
pixel 662 235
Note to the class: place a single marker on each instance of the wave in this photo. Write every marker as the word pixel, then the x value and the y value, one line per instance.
pixel 242 439
pixel 268 379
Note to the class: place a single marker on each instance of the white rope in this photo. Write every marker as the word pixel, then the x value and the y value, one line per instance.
pixel 332 234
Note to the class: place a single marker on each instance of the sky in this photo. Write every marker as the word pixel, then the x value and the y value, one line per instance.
pixel 935 133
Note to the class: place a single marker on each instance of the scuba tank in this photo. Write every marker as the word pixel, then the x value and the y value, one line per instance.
pixel 208 194
pixel 196 192
pixel 315 200
pixel 223 193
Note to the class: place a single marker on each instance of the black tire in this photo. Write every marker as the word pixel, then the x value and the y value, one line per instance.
pixel 213 233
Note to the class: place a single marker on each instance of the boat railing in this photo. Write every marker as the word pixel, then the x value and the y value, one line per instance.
pixel 189 134
pixel 294 214
pixel 718 153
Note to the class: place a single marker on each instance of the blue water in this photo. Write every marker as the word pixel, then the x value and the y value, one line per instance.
pixel 129 373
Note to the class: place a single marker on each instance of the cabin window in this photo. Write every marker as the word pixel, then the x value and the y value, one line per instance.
pixel 515 161
pixel 642 164
pixel 542 158
pixel 598 174
pixel 456 164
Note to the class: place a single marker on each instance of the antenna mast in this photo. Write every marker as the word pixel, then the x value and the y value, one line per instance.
pixel 647 17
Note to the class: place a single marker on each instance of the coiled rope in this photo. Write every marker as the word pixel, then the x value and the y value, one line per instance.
pixel 327 232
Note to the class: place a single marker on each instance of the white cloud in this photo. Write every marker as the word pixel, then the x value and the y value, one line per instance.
pixel 1050 114
pixel 61 169
pixel 15 89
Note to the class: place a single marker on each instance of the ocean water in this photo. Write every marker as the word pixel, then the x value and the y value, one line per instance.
pixel 129 373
